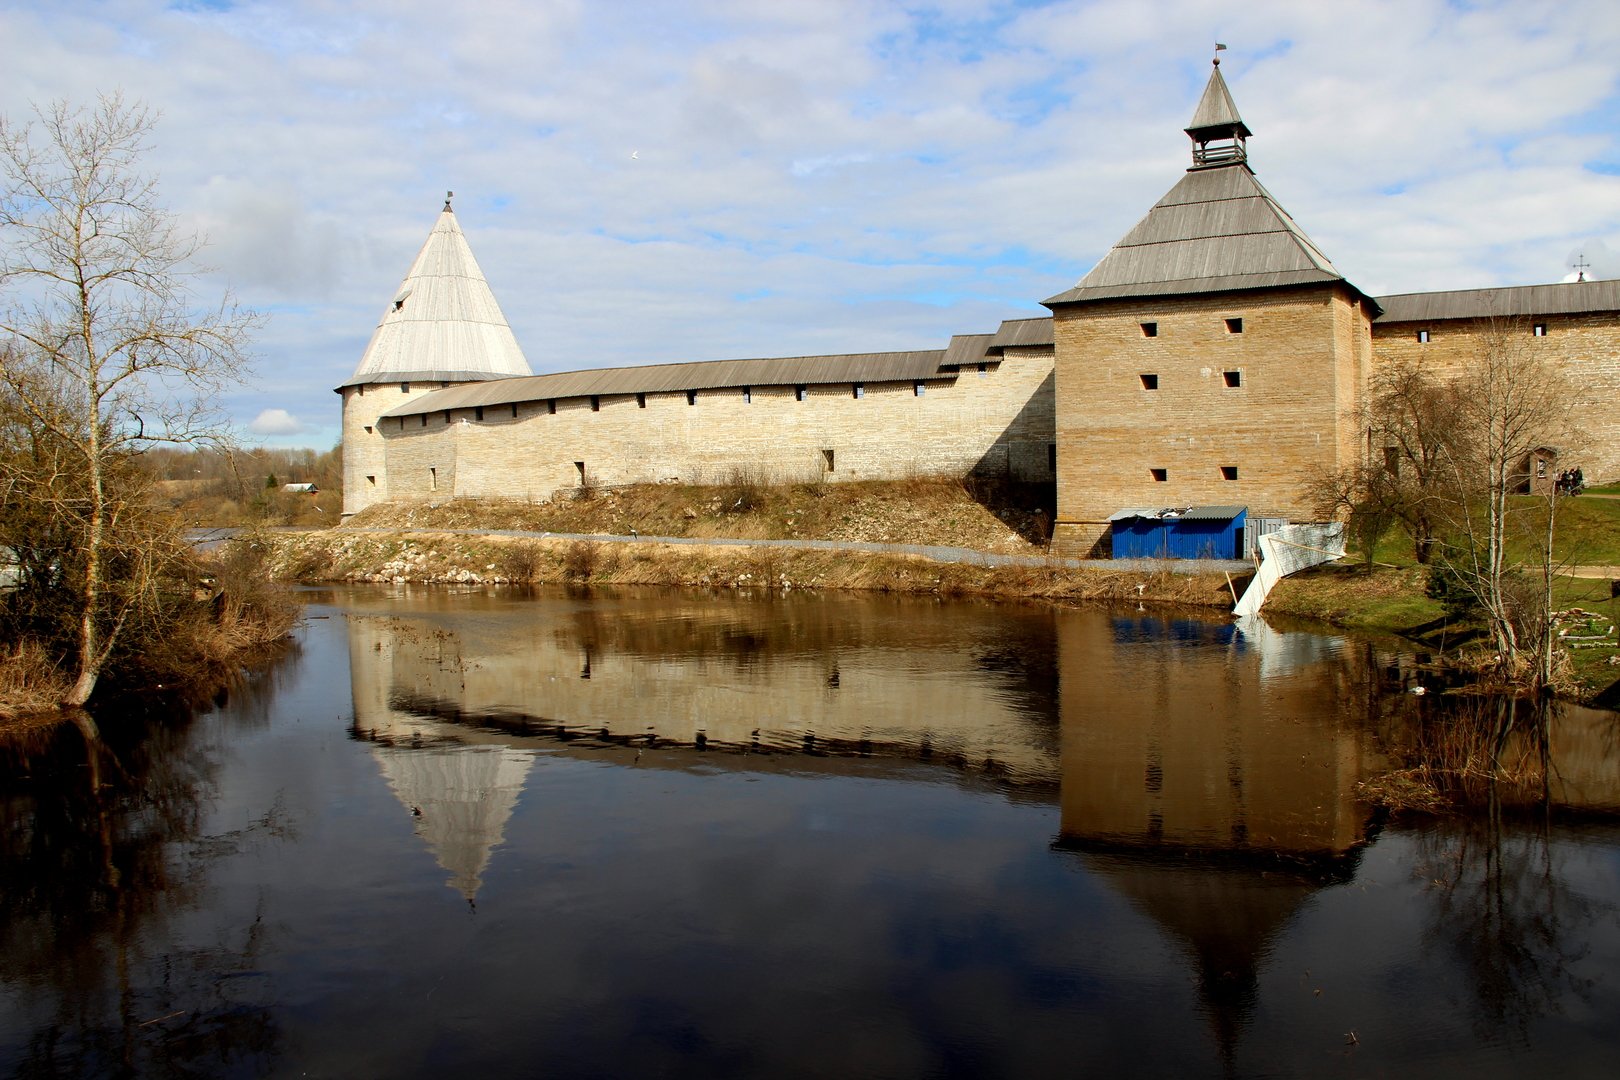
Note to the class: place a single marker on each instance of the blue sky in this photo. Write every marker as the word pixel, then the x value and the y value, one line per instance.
pixel 647 182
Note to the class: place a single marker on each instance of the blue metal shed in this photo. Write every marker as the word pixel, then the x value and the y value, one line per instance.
pixel 1187 532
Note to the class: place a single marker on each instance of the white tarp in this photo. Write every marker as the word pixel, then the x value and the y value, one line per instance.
pixel 1289 550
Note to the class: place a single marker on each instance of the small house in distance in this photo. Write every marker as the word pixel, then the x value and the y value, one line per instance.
pixel 1188 532
pixel 306 489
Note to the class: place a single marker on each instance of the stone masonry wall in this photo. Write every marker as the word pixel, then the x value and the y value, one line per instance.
pixel 997 421
pixel 1301 364
pixel 1586 348
pixel 365 472
pixel 1198 413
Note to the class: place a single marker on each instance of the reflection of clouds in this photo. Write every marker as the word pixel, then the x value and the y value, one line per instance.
pixel 1285 653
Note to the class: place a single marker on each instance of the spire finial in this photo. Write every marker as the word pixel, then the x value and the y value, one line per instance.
pixel 1579 265
pixel 447 197
pixel 1217 122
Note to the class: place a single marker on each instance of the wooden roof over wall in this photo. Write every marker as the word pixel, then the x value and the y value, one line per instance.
pixel 1217 230
pixel 1568 298
pixel 1216 111
pixel 670 378
pixel 1022 333
pixel 966 350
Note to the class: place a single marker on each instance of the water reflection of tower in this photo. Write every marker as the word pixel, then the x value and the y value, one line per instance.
pixel 1216 793
pixel 459 786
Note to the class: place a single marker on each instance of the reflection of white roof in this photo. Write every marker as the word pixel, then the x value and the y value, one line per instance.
pixel 466 795
pixel 443 324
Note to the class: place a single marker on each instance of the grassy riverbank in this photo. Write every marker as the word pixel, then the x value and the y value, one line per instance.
pixel 1387 599
pixel 1003 518
pixel 445 558
pixel 1391 600
pixel 209 615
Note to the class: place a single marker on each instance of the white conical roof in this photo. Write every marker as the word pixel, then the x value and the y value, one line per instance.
pixel 443 325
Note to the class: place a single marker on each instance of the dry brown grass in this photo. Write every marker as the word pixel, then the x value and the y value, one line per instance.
pixel 580 560
pixel 983 516
pixel 1469 751
pixel 519 561
pixel 30 684
pixel 450 558
pixel 1410 791
pixel 234 614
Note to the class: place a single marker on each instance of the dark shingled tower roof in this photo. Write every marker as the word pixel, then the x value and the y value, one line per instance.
pixel 1217 230
pixel 1217 113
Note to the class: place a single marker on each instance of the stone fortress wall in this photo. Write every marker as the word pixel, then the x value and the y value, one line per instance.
pixel 1245 419
pixel 1233 418
pixel 1225 400
pixel 365 456
pixel 993 418
pixel 1584 348
pixel 1213 357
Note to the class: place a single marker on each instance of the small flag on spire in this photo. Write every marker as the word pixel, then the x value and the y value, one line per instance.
pixel 1219 47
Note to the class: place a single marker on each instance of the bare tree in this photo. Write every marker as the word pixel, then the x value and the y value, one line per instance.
pixel 103 347
pixel 1511 405
pixel 1409 420
pixel 1449 453
pixel 1413 421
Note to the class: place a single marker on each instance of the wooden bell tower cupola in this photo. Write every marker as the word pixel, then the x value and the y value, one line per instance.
pixel 1217 131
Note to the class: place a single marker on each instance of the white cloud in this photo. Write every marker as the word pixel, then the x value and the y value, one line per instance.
pixel 276 422
pixel 843 163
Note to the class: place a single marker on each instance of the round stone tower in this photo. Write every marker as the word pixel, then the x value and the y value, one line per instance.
pixel 442 327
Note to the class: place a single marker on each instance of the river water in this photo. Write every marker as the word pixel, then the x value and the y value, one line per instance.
pixel 678 834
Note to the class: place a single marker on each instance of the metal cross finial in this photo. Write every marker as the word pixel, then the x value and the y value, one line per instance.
pixel 447 197
pixel 1580 264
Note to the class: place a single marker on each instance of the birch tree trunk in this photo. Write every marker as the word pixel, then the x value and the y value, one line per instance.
pixel 1511 403
pixel 104 350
